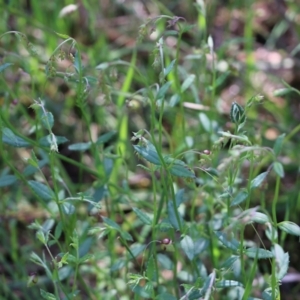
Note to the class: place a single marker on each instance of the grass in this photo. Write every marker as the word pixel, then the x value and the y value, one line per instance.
pixel 126 171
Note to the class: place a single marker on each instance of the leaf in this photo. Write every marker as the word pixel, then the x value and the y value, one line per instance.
pixel 119 264
pixel 169 68
pixel 63 36
pixel 148 154
pixel 112 224
pixel 80 146
pixel 47 296
pixel 104 138
pixel 278 144
pixel 172 216
pixel 258 180
pixel 260 218
pixel 282 261
pixel 187 82
pixel 5 66
pixel 142 216
pixel 258 252
pixel 174 100
pixel 237 113
pixel 7 180
pixel 289 227
pixel 47 120
pixel 181 171
pixel 232 244
pixel 228 283
pixel 43 191
pixel 46 141
pixel 9 138
pixel 179 197
pixel 227 264
pixel 151 269
pixel 163 90
pixel 239 198
pixel 165 296
pixel 188 246
pixel 68 208
pixel 278 168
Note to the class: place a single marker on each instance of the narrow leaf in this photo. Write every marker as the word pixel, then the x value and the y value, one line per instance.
pixel 9 138
pixel 228 283
pixel 187 82
pixel 7 180
pixel 142 216
pixel 169 68
pixel 278 168
pixel 163 90
pixel 80 146
pixel 172 216
pixel 104 138
pixel 148 154
pixel 43 191
pixel 181 171
pixel 278 144
pixel 258 180
pixel 47 141
pixel 232 244
pixel 239 198
pixel 289 227
pixel 259 253
pixel 187 245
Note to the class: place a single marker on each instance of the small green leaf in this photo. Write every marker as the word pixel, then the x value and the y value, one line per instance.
pixel 187 82
pixel 165 296
pixel 228 283
pixel 104 138
pixel 239 198
pixel 5 66
pixel 260 218
pixel 237 113
pixel 169 68
pixel 151 269
pixel 278 144
pixel 119 264
pixel 179 197
pixel 80 146
pixel 227 264
pixel 9 138
pixel 112 224
pixel 63 36
pixel 68 208
pixel 148 154
pixel 181 171
pixel 232 244
pixel 282 261
pixel 163 90
pixel 282 92
pixel 43 191
pixel 142 216
pixel 258 252
pixel 278 168
pixel 174 100
pixel 172 216
pixel 47 120
pixel 7 180
pixel 188 246
pixel 258 180
pixel 289 227
pixel 47 296
pixel 58 230
pixel 47 141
